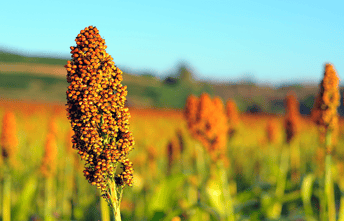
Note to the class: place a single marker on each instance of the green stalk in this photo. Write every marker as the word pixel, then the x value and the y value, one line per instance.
pixel 341 209
pixel 6 200
pixel 66 188
pixel 322 199
pixel 329 181
pixel 295 162
pixel 226 192
pixel 115 199
pixel 306 194
pixel 48 199
pixel 276 210
pixel 104 208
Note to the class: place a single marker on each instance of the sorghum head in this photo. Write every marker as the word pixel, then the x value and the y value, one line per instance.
pixel 95 105
pixel 292 117
pixel 207 122
pixel 324 112
pixel 9 141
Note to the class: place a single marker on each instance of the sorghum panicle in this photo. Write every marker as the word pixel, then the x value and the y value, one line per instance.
pixel 95 106
pixel 207 122
pixel 292 117
pixel 49 161
pixel 9 141
pixel 324 112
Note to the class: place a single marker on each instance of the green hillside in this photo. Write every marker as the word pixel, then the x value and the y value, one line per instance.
pixel 15 58
pixel 149 91
pixel 143 91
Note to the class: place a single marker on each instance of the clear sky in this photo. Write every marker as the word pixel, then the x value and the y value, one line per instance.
pixel 275 41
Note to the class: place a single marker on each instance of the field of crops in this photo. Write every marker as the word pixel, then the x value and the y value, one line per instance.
pixel 93 158
pixel 175 177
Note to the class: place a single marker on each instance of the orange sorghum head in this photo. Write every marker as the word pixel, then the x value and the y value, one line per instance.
pixel 95 106
pixel 48 166
pixel 292 117
pixel 324 112
pixel 9 141
pixel 208 123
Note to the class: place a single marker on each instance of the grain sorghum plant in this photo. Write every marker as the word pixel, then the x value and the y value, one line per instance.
pixel 95 105
pixel 207 122
pixel 324 114
pixel 8 144
pixel 292 124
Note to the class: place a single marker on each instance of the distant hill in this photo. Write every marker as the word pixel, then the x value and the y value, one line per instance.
pixel 43 79
pixel 16 58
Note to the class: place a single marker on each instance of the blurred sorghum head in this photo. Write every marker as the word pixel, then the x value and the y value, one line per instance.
pixel 9 141
pixel 95 106
pixel 207 122
pixel 324 112
pixel 292 117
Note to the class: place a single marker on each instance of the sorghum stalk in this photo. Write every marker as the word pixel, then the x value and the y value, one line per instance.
pixel 306 194
pixel 325 115
pixel 8 144
pixel 207 122
pixel 6 197
pixel 276 210
pixel 95 106
pixel 48 168
pixel 104 208
pixel 292 124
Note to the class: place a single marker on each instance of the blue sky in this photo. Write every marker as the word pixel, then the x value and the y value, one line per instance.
pixel 273 41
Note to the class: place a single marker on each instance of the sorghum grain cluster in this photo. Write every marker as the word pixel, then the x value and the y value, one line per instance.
pixel 95 106
pixel 324 112
pixel 207 122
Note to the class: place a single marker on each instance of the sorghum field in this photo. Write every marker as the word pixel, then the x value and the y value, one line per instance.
pixel 205 162
pixel 260 176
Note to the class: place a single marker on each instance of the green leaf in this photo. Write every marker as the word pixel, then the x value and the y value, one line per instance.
pixel 22 208
pixel 166 194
